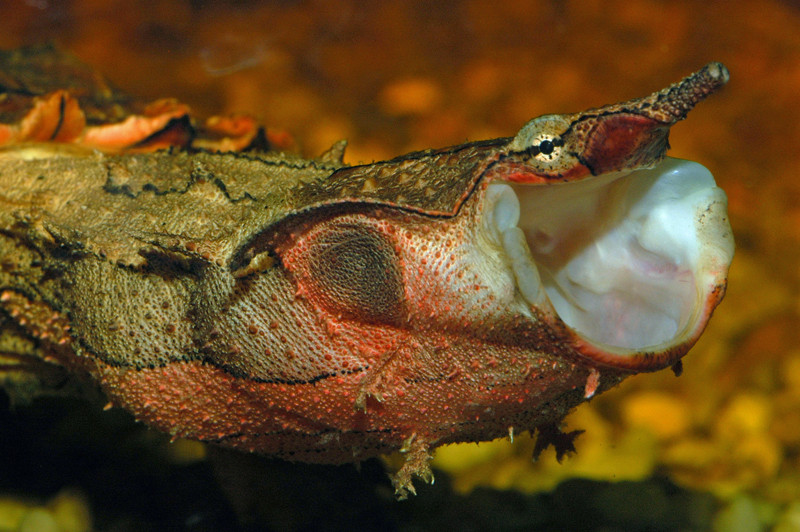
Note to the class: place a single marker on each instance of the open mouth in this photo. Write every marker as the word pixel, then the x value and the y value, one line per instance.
pixel 631 262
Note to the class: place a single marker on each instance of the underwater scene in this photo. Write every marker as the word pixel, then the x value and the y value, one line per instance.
pixel 710 442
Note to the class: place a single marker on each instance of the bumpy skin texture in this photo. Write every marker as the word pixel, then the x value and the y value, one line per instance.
pixel 298 308
pixel 352 339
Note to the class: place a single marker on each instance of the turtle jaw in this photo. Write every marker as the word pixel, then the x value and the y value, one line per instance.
pixel 630 265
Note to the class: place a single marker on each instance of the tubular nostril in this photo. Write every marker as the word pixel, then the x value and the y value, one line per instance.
pixel 674 103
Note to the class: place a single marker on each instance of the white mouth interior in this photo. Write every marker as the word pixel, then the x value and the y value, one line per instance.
pixel 626 260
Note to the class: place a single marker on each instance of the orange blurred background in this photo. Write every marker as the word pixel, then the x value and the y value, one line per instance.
pixel 393 77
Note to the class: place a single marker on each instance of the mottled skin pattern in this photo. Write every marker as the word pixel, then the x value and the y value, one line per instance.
pixel 302 308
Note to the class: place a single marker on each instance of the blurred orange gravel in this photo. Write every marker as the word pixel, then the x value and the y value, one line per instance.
pixel 393 77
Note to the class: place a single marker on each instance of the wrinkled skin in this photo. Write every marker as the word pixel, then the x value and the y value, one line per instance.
pixel 319 312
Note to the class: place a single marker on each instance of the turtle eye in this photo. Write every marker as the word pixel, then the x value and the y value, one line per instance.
pixel 546 147
pixel 542 139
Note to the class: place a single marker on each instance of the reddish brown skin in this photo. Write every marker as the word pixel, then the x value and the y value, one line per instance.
pixel 613 140
pixel 419 371
pixel 516 172
pixel 309 422
pixel 304 357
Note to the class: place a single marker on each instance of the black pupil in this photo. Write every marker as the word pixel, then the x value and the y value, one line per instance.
pixel 546 147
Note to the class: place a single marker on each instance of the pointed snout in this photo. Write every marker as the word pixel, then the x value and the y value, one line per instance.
pixel 634 134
